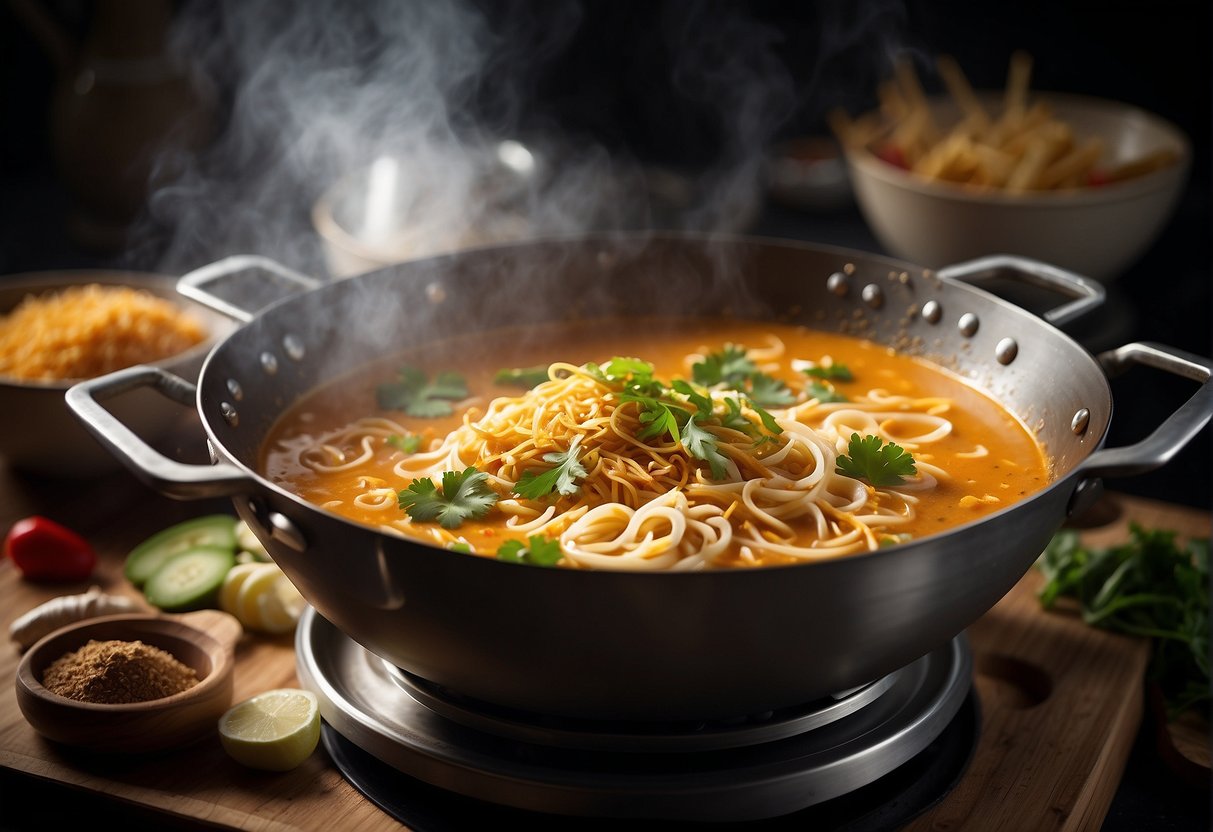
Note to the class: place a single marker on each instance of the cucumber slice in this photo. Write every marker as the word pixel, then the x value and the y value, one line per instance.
pixel 145 560
pixel 190 580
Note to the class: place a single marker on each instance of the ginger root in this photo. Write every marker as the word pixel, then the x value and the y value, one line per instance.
pixel 67 609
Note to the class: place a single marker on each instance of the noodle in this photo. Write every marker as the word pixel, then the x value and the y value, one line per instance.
pixel 747 485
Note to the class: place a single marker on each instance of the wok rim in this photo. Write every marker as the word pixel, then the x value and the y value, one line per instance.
pixel 608 238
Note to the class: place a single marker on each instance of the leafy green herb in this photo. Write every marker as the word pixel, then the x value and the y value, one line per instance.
pixel 416 395
pixel 409 444
pixel 538 551
pixel 823 393
pixel 655 415
pixel 524 377
pixel 464 495
pixel 729 366
pixel 461 546
pixel 563 478
pixel 1148 586
pixel 683 410
pixel 833 372
pixel 767 391
pixel 702 445
pixel 881 464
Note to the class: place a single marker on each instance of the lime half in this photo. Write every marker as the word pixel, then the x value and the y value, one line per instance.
pixel 276 730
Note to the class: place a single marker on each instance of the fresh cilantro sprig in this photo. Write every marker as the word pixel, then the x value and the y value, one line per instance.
pixel 830 372
pixel 416 395
pixel 879 463
pixel 823 393
pixel 409 444
pixel 730 368
pixel 562 479
pixel 684 411
pixel 464 495
pixel 537 551
pixel 525 377
pixel 1148 586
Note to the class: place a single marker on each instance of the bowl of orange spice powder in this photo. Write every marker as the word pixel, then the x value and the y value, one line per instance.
pixel 57 328
pixel 130 683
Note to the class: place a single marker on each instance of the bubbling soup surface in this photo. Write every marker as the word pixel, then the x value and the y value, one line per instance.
pixel 656 445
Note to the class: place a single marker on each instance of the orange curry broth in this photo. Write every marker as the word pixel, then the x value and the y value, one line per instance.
pixel 1015 467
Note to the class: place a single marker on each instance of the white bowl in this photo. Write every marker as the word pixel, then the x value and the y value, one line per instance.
pixel 1094 231
pixel 40 435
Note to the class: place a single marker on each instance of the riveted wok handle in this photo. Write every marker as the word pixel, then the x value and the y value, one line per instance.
pixel 242 285
pixel 175 479
pixel 1086 293
pixel 1173 434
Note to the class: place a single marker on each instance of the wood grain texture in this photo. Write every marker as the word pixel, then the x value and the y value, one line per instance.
pixel 1060 701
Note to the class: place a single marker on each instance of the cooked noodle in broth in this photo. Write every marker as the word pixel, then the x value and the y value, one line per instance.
pixel 719 445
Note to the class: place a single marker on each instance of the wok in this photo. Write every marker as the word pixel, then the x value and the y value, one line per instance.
pixel 624 645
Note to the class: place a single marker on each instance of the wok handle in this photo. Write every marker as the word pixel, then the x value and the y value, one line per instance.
pixel 1176 431
pixel 174 479
pixel 1086 293
pixel 253 283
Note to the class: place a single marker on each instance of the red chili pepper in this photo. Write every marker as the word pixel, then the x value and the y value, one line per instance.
pixel 46 551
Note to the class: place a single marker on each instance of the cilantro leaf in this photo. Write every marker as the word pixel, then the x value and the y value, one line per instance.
pixel 413 393
pixel 702 445
pixel 867 458
pixel 1147 586
pixel 834 372
pixel 768 391
pixel 824 394
pixel 409 444
pixel 538 551
pixel 655 415
pixel 728 366
pixel 768 421
pixel 464 495
pixel 525 377
pixel 701 402
pixel 733 417
pixel 562 478
pixel 619 368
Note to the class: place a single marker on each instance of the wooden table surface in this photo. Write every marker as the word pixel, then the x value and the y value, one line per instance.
pixel 200 786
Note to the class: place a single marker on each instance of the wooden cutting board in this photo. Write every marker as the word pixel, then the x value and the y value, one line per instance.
pixel 1061 702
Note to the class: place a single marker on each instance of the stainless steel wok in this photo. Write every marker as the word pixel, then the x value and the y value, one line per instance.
pixel 631 646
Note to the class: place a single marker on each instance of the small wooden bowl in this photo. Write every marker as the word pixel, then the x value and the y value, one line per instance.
pixel 203 640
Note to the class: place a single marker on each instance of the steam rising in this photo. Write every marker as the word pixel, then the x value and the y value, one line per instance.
pixel 423 94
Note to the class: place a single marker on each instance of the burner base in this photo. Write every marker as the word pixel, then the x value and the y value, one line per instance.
pixel 365 710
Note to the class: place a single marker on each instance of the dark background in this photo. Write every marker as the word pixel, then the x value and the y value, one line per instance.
pixel 653 81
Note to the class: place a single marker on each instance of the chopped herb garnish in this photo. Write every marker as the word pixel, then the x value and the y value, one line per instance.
pixel 464 495
pixel 824 393
pixel 702 445
pixel 684 411
pixel 879 463
pixel 538 551
pixel 1148 586
pixel 731 369
pixel 767 391
pixel 525 377
pixel 461 546
pixel 832 372
pixel 413 393
pixel 730 366
pixel 562 479
pixel 409 444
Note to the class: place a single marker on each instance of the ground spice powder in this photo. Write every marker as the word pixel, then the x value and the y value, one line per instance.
pixel 116 672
